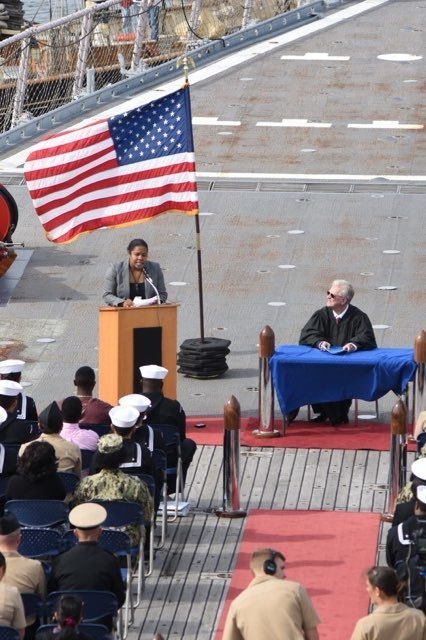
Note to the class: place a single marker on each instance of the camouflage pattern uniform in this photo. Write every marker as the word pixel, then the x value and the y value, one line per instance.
pixel 111 484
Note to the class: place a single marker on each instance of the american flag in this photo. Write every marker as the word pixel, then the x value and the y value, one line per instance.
pixel 117 171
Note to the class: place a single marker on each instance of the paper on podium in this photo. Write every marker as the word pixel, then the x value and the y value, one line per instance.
pixel 144 302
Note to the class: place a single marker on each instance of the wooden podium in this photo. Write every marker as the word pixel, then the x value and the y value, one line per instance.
pixel 131 338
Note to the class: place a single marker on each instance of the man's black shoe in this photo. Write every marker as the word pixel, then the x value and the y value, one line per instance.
pixel 320 418
pixel 291 416
pixel 344 420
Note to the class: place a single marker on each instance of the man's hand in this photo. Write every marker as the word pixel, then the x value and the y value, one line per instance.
pixel 349 347
pixel 324 345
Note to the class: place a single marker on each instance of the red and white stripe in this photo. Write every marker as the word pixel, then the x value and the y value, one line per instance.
pixel 77 185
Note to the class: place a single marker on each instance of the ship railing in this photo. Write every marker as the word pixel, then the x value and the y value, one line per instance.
pixel 50 65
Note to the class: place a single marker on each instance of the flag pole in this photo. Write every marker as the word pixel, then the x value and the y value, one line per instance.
pixel 185 60
pixel 202 357
pixel 200 275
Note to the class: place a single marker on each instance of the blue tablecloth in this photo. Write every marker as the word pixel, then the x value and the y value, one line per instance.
pixel 303 375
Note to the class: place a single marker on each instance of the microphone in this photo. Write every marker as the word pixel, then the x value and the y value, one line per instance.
pixel 149 279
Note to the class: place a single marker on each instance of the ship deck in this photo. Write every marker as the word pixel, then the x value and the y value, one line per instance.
pixel 286 206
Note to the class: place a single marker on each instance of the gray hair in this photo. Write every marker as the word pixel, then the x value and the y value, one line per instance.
pixel 345 288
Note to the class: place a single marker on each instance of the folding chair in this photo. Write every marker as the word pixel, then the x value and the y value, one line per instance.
pixel 160 464
pixel 101 429
pixel 33 605
pixel 38 513
pixel 171 438
pixel 96 606
pixel 94 631
pixel 86 459
pixel 120 514
pixel 150 483
pixel 118 543
pixel 8 633
pixel 69 480
pixel 40 542
pixel 8 457
pixel 3 484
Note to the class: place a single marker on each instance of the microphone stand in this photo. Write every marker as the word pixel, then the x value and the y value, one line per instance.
pixel 149 279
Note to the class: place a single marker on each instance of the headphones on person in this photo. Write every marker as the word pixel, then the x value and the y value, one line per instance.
pixel 269 566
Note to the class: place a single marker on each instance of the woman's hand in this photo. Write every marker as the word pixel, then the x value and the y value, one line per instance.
pixel 127 303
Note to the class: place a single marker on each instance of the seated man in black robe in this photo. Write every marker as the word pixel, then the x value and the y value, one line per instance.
pixel 338 324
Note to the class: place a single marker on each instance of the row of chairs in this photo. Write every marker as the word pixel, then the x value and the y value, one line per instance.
pixel 33 514
pixel 171 439
pixel 93 630
pixel 97 605
pixel 39 540
pixel 53 512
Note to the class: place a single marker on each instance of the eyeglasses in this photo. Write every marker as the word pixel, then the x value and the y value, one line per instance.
pixel 334 295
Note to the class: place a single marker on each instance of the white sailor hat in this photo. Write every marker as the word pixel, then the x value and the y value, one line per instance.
pixel 11 366
pixel 421 493
pixel 153 372
pixel 418 468
pixel 3 415
pixel 10 388
pixel 124 417
pixel 88 515
pixel 136 400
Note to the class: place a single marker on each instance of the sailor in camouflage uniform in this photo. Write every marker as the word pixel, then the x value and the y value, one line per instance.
pixel 113 484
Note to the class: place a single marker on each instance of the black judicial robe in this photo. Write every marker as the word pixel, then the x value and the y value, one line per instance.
pixel 355 327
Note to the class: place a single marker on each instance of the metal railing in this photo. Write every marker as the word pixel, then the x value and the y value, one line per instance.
pixel 48 65
pixel 52 73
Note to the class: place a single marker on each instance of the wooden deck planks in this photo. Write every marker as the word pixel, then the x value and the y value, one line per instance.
pixel 185 594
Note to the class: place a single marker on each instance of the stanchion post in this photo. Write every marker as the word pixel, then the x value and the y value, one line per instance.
pixel 419 396
pixel 397 456
pixel 266 386
pixel 231 461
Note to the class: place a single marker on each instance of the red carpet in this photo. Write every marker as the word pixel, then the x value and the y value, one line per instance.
pixel 304 435
pixel 327 552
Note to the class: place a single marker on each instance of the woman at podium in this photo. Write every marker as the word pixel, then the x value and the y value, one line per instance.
pixel 136 281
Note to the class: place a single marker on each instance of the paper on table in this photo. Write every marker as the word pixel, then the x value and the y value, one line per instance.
pixel 144 302
pixel 335 350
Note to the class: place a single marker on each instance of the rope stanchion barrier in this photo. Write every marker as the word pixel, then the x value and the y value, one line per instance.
pixel 397 455
pixel 266 386
pixel 231 461
pixel 419 396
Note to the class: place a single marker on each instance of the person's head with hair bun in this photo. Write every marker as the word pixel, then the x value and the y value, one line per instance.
pixel 68 615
